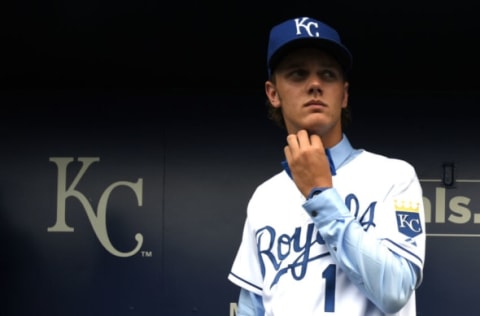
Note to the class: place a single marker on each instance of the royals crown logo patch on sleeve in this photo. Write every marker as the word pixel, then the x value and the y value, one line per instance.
pixel 408 218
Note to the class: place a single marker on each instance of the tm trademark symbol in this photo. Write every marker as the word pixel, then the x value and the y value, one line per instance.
pixel 146 254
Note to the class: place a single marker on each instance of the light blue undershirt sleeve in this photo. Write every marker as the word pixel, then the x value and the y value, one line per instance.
pixel 386 278
pixel 249 304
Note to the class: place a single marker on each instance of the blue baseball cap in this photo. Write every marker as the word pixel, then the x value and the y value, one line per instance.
pixel 301 32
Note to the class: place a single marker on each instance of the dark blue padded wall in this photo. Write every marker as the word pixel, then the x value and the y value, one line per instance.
pixel 115 204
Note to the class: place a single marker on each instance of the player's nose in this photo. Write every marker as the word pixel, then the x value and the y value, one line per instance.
pixel 315 84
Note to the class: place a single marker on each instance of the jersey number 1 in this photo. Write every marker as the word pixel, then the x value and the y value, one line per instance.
pixel 329 274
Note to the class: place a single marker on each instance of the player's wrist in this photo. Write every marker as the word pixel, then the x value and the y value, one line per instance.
pixel 316 191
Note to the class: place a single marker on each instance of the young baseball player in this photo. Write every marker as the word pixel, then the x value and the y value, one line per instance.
pixel 339 231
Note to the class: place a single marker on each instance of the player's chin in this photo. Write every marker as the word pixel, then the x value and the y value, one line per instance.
pixel 316 123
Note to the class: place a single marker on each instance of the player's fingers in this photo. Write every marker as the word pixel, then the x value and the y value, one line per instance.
pixel 316 141
pixel 303 138
pixel 292 141
pixel 288 153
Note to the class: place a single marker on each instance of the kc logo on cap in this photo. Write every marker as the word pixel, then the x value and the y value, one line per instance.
pixel 305 31
pixel 305 25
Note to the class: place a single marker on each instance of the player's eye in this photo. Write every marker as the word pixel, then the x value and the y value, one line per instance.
pixel 329 74
pixel 298 74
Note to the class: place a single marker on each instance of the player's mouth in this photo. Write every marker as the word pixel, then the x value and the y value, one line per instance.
pixel 315 103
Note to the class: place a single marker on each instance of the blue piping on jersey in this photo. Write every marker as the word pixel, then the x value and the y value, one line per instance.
pixel 245 281
pixel 404 249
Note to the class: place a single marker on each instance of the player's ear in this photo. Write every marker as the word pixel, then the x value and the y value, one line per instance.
pixel 272 94
pixel 345 95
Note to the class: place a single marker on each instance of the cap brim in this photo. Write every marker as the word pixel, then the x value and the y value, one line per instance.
pixel 340 53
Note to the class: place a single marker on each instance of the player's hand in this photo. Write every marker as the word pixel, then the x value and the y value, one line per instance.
pixel 308 161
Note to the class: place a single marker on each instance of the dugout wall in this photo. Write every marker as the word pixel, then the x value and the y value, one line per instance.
pixel 133 204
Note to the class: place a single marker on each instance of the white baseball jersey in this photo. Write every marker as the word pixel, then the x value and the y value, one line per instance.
pixel 284 258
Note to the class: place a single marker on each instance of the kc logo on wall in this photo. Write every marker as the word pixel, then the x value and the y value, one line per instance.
pixel 97 217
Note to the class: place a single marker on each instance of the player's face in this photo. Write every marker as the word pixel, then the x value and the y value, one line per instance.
pixel 310 88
